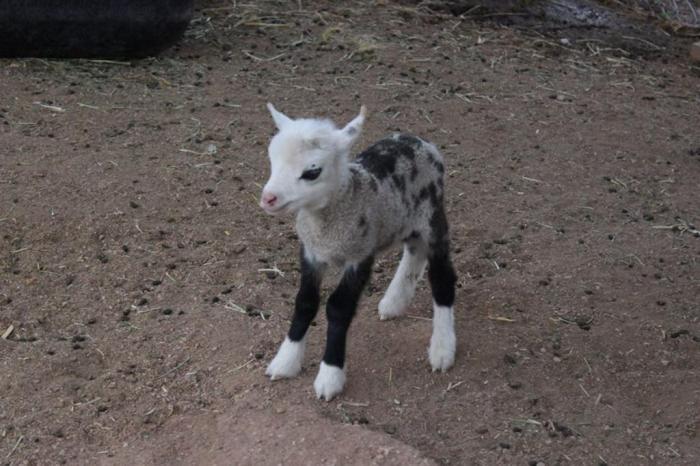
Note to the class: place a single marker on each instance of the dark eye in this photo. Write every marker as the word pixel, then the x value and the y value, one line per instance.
pixel 311 174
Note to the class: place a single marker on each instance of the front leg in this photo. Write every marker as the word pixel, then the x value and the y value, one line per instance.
pixel 340 310
pixel 287 362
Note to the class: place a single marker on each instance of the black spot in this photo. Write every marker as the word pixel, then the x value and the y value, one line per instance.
pixel 414 172
pixel 407 152
pixel 399 182
pixel 440 167
pixel 420 197
pixel 412 141
pixel 406 203
pixel 414 235
pixel 432 190
pixel 380 159
pixel 373 184
pixel 364 226
pixel 411 241
pixel 356 181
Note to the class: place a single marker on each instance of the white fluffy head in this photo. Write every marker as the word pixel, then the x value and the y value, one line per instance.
pixel 308 162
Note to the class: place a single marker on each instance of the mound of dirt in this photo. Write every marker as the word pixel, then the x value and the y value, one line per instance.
pixel 296 436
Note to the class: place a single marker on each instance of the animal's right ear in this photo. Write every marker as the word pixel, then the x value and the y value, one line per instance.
pixel 281 120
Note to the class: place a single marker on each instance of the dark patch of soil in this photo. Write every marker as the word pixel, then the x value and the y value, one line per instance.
pixel 577 23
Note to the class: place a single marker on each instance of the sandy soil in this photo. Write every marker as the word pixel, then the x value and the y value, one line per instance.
pixel 134 261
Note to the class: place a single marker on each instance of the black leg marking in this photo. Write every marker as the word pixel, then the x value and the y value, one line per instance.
pixel 340 310
pixel 307 300
pixel 440 270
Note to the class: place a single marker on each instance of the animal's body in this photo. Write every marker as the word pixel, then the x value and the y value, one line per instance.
pixel 348 211
pixel 389 196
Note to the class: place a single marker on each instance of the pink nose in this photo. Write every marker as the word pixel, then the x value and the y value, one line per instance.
pixel 268 200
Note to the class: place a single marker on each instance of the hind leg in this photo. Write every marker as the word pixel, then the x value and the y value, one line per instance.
pixel 403 286
pixel 441 274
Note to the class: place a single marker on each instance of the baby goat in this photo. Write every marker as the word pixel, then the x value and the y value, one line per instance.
pixel 348 211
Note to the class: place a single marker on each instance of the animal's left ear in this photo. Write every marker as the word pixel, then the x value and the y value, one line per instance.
pixel 349 134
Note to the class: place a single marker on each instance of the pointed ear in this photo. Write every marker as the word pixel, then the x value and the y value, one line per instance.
pixel 352 130
pixel 281 120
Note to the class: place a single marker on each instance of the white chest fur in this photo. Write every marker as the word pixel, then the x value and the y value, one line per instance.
pixel 331 241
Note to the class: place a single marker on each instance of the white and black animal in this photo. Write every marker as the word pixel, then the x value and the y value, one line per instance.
pixel 347 211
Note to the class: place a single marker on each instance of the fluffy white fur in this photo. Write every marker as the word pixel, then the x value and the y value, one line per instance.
pixel 443 342
pixel 329 381
pixel 287 362
pixel 304 144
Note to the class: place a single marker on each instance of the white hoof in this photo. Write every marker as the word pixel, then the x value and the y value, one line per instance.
pixel 442 353
pixel 287 362
pixel 443 342
pixel 329 381
pixel 390 308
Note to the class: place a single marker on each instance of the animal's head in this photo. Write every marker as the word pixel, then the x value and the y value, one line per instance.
pixel 308 162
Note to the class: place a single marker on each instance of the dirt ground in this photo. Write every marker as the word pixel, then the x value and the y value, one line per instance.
pixel 144 290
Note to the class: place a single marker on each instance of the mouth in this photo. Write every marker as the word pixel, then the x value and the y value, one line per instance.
pixel 277 209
